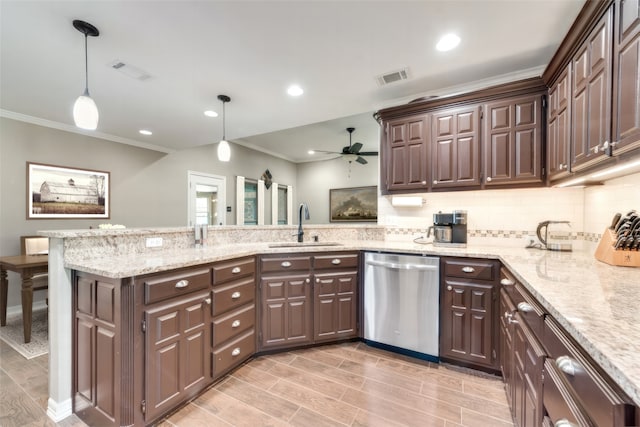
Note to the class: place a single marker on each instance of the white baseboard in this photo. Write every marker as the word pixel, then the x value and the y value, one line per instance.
pixel 58 411
pixel 17 309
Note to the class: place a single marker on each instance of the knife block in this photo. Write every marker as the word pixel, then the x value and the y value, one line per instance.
pixel 608 254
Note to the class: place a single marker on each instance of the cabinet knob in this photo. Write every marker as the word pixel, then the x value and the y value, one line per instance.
pixel 435 181
pixel 235 352
pixel 507 315
pixel 605 145
pixel 449 288
pixel 235 295
pixel 317 280
pixel 506 282
pixel 424 182
pixel 525 307
pixel 613 144
pixel 236 270
pixel 489 179
pixel 562 166
pixel 567 365
pixel 563 422
pixel 182 284
pixel 207 301
pixel 285 264
pixel 468 269
pixel 595 149
pixel 336 261
pixel 235 324
pixel 307 280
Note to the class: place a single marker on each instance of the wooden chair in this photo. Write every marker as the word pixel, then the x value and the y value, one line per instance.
pixel 36 245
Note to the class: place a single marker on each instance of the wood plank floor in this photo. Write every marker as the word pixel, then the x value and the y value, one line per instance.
pixel 348 384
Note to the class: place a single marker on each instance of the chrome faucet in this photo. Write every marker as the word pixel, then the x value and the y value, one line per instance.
pixel 306 216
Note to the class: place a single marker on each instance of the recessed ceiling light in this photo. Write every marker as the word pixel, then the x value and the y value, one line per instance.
pixel 311 152
pixel 145 132
pixel 448 42
pixel 210 113
pixel 295 90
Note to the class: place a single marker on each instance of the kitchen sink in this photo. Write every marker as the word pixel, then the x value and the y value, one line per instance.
pixel 303 244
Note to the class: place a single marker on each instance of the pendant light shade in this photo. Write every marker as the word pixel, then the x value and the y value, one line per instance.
pixel 85 111
pixel 224 150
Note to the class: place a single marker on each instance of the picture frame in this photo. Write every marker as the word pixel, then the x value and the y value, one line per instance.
pixel 61 192
pixel 356 204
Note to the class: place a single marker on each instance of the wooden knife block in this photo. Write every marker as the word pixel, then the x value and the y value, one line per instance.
pixel 608 254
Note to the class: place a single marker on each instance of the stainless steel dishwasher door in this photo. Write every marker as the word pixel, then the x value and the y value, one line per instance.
pixel 401 301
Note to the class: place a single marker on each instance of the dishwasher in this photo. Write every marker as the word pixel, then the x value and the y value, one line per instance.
pixel 402 303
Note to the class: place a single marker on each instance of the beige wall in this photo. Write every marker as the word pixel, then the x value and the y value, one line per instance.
pixel 148 188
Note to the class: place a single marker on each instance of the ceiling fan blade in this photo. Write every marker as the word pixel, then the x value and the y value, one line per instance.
pixel 326 152
pixel 368 153
pixel 355 148
pixel 361 160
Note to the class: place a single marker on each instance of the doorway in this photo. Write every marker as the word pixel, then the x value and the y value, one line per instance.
pixel 207 199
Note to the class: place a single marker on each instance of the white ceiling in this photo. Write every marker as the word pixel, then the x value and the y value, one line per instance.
pixel 251 51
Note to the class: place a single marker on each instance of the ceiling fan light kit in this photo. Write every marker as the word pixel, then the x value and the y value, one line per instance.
pixel 85 111
pixel 224 150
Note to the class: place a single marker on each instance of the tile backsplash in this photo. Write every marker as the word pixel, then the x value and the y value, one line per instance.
pixel 515 214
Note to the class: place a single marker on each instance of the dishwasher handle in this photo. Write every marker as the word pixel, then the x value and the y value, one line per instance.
pixel 402 266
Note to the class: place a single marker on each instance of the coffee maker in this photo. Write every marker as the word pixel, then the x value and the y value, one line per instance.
pixel 449 229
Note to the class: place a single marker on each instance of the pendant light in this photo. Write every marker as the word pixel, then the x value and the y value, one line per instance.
pixel 224 150
pixel 85 112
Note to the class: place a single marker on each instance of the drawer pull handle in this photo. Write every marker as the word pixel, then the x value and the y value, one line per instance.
pixel 507 315
pixel 468 269
pixel 182 284
pixel 507 282
pixel 335 261
pixel 564 423
pixel 235 295
pixel 567 365
pixel 285 264
pixel 235 352
pixel 236 270
pixel 525 307
pixel 235 324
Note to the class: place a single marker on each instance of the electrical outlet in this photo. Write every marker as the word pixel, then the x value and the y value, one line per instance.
pixel 154 242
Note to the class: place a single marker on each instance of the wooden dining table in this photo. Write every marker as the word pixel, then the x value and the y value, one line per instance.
pixel 26 266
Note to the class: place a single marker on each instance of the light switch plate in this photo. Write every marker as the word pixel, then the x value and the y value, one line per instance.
pixel 154 242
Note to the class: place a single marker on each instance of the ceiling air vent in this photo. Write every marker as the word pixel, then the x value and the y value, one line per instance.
pixel 130 71
pixel 392 77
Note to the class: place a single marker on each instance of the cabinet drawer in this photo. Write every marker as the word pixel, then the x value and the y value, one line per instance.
pixel 233 295
pixel 527 306
pixel 471 268
pixel 333 261
pixel 235 269
pixel 558 400
pixel 603 401
pixel 233 353
pixel 285 263
pixel 229 325
pixel 170 285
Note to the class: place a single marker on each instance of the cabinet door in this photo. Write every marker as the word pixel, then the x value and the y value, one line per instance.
pixel 455 148
pixel 406 148
pixel 467 322
pixel 558 129
pixel 513 141
pixel 626 96
pixel 286 311
pixel 177 348
pixel 591 106
pixel 335 305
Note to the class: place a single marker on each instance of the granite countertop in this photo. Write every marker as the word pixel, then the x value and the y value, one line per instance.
pixel 593 301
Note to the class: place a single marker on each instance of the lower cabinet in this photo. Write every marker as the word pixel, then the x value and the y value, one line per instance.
pixel 468 326
pixel 307 298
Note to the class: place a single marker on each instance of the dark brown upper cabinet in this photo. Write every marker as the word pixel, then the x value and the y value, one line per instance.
pixel 591 100
pixel 405 155
pixel 513 141
pixel 558 128
pixel 626 65
pixel 455 148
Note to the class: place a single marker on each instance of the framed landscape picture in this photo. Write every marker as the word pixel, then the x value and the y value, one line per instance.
pixel 353 204
pixel 63 192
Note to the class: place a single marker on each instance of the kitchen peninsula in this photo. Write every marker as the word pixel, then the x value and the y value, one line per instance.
pixel 590 300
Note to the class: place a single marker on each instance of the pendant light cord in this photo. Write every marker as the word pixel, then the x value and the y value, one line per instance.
pixel 224 138
pixel 86 66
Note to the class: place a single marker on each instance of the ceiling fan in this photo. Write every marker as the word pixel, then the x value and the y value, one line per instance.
pixel 352 151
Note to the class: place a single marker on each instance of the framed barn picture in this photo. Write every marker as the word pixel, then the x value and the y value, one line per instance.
pixel 353 204
pixel 58 192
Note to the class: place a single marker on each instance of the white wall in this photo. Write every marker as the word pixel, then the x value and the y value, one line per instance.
pixel 148 188
pixel 315 179
pixel 602 202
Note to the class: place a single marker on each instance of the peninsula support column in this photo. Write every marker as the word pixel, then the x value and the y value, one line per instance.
pixel 59 405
